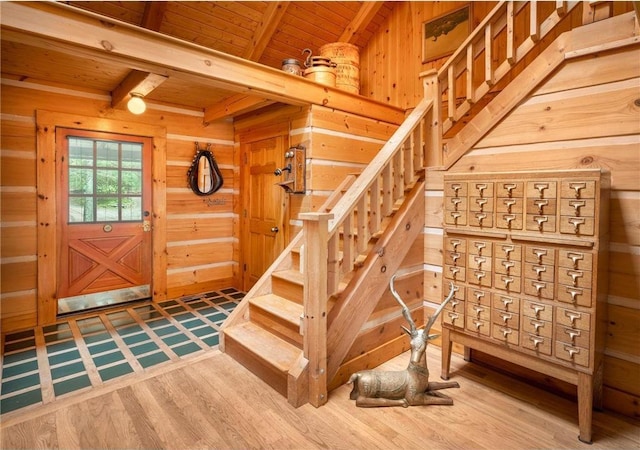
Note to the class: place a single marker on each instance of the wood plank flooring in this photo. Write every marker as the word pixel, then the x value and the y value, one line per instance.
pixel 211 401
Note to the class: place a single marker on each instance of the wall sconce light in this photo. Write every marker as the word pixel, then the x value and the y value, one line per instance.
pixel 136 104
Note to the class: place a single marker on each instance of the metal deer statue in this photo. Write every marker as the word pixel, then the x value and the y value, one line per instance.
pixel 410 387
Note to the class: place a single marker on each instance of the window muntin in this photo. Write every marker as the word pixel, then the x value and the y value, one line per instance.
pixel 105 180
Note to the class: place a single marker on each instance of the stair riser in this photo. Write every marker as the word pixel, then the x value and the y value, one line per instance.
pixel 258 366
pixel 284 329
pixel 287 289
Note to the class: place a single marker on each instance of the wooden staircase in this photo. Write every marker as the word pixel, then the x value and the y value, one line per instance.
pixel 297 324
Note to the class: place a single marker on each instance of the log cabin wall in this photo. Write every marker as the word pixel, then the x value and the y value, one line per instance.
pixel 201 232
pixel 585 116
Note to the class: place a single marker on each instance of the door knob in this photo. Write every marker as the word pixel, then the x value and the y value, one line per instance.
pixel 274 229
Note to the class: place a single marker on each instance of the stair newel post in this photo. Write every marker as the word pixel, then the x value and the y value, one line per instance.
pixel 433 149
pixel 316 238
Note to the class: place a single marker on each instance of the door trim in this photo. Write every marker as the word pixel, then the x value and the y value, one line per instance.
pixel 46 201
pixel 245 142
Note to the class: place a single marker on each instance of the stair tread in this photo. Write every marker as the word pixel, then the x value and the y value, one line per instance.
pixel 291 275
pixel 280 307
pixel 271 348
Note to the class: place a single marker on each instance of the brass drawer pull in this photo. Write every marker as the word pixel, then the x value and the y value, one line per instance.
pixel 537 309
pixel 509 203
pixel 480 245
pixel 481 188
pixel 573 334
pixel 506 301
pixel 478 324
pixel 574 274
pixel 506 332
pixel 539 252
pixel 539 285
pixel 573 316
pixel 509 187
pixel 538 270
pixel 454 302
pixel 571 350
pixel 576 222
pixel 575 257
pixel 507 249
pixel 479 274
pixel 478 310
pixel 479 260
pixel 577 187
pixel 481 217
pixel 508 265
pixel 541 187
pixel 506 317
pixel 509 218
pixel 574 292
pixel 453 316
pixel 536 340
pixel 456 201
pixel 537 325
pixel 456 187
pixel 507 281
pixel 478 295
pixel 540 204
pixel 577 204
pixel 540 220
pixel 455 243
pixel 481 202
pixel 455 256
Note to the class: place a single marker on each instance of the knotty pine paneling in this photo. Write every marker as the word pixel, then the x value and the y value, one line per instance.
pixel 189 217
pixel 592 124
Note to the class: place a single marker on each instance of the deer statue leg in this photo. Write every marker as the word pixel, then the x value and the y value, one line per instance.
pixel 434 385
pixel 366 402
pixel 432 398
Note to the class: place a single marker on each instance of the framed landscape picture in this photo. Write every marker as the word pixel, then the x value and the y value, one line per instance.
pixel 442 35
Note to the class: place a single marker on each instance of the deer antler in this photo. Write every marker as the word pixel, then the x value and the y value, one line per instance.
pixel 435 315
pixel 405 310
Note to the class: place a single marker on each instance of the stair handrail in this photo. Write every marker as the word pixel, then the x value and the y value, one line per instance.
pixel 357 216
pixel 498 24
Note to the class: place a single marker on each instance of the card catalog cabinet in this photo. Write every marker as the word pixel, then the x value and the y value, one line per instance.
pixel 526 254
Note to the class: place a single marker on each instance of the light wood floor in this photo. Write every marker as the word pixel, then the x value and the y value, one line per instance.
pixel 212 402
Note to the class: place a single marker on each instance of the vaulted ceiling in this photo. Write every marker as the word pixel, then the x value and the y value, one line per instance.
pixel 264 32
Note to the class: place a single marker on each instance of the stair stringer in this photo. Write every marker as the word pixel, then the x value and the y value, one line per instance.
pixel 358 300
pixel 609 34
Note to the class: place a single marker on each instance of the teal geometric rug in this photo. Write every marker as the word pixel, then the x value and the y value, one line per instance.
pixel 46 363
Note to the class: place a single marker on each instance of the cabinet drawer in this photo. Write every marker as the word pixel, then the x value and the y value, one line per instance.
pixel 575 259
pixel 455 189
pixel 539 344
pixel 505 334
pixel 479 277
pixel 455 273
pixel 541 206
pixel 455 258
pixel 478 311
pixel 453 318
pixel 481 189
pixel 479 326
pixel 479 296
pixel 573 336
pixel 509 283
pixel 536 310
pixel 506 303
pixel 455 217
pixel 538 288
pixel 541 272
pixel 576 355
pixel 573 319
pixel 455 305
pixel 574 295
pixel 510 205
pixel 542 223
pixel 578 189
pixel 577 225
pixel 480 247
pixel 540 255
pixel 577 207
pixel 455 245
pixel 480 204
pixel 512 252
pixel 509 189
pixel 481 219
pixel 459 292
pixel 509 221
pixel 542 189
pixel 508 267
pixel 505 318
pixel 537 327
pixel 576 278
pixel 455 204
pixel 480 262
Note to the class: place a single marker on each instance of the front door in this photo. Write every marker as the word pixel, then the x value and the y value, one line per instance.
pixel 104 219
pixel 264 208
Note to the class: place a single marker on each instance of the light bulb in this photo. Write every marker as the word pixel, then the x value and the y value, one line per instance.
pixel 135 104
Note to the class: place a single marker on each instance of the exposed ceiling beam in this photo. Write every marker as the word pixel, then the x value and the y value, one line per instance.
pixel 365 14
pixel 235 105
pixel 153 15
pixel 136 81
pixel 64 28
pixel 263 33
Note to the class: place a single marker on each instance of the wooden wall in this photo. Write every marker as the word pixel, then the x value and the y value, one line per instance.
pixel 201 231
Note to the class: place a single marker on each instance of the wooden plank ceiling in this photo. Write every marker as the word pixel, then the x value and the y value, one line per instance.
pixel 264 32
